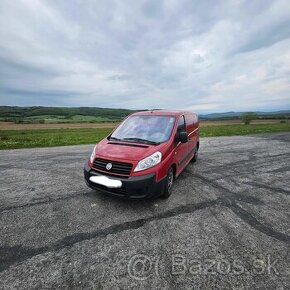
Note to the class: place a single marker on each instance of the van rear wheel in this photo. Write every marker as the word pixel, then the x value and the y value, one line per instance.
pixel 169 183
pixel 195 156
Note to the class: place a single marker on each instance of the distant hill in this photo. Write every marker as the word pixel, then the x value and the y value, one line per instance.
pixel 61 114
pixel 236 115
pixel 8 111
pixel 40 114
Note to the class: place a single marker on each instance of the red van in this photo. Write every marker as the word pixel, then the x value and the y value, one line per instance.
pixel 144 154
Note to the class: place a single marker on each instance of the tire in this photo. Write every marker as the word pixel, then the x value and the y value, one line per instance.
pixel 169 183
pixel 195 156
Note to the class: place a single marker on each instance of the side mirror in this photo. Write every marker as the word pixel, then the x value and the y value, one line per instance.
pixel 182 137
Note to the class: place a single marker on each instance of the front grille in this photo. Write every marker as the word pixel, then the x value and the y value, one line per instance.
pixel 109 174
pixel 117 167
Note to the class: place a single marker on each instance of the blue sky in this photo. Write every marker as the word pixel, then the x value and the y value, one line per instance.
pixel 205 56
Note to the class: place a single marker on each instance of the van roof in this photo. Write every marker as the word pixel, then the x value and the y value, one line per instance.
pixel 162 113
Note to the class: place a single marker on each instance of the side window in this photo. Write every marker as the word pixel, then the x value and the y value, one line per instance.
pixel 181 124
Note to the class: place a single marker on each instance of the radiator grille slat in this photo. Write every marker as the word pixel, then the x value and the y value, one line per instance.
pixel 117 167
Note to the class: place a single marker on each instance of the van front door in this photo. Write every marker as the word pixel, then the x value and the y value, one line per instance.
pixel 181 149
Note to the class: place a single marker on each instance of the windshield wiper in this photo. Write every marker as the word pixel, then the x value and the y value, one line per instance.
pixel 114 138
pixel 140 140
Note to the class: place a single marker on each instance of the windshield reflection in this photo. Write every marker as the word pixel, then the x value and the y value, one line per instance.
pixel 154 129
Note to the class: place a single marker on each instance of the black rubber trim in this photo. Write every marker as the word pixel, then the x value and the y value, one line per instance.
pixel 134 187
pixel 186 156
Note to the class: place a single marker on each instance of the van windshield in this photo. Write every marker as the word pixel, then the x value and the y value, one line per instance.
pixel 145 129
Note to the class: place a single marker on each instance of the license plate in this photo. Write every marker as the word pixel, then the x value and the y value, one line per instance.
pixel 104 180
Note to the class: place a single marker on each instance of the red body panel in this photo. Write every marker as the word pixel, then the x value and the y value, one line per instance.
pixel 174 153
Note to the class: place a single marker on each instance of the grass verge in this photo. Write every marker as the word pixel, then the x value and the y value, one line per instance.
pixel 241 129
pixel 11 139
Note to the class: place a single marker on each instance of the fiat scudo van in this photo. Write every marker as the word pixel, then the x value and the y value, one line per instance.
pixel 142 157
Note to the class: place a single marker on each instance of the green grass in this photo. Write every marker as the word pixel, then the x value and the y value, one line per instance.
pixel 231 130
pixel 10 139
pixel 80 118
pixel 54 119
pixel 45 117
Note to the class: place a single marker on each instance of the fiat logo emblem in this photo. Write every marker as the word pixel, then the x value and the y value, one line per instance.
pixel 109 166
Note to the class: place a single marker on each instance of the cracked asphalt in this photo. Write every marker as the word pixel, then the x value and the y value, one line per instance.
pixel 226 224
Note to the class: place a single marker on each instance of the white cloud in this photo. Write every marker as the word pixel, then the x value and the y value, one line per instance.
pixel 146 54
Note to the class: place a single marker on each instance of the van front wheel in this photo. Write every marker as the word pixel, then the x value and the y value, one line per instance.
pixel 169 183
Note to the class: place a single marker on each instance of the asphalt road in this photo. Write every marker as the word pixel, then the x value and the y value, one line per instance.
pixel 226 224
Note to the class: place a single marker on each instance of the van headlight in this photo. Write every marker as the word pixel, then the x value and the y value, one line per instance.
pixel 149 161
pixel 93 155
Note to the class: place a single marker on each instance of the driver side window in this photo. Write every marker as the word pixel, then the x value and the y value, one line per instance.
pixel 181 124
pixel 180 128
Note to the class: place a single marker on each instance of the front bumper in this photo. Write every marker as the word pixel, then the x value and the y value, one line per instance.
pixel 133 187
